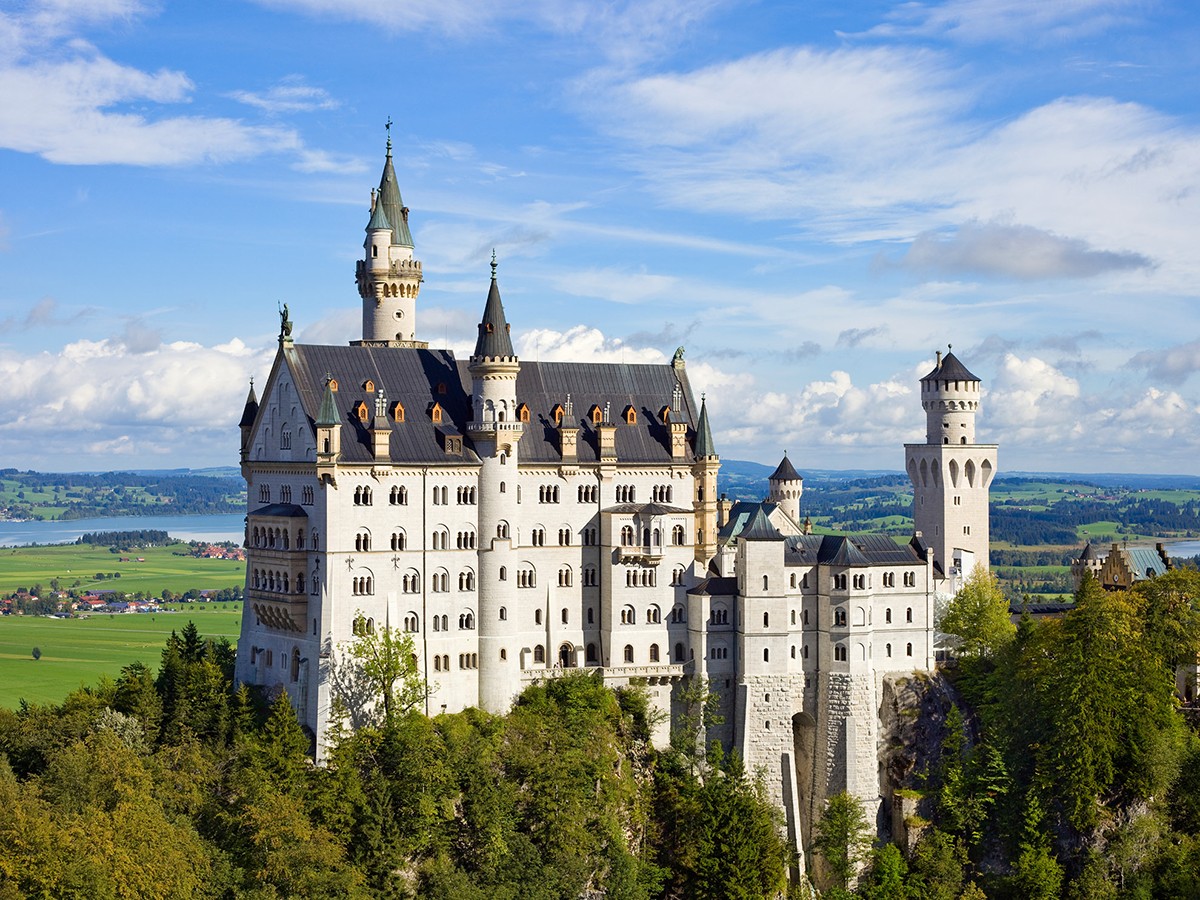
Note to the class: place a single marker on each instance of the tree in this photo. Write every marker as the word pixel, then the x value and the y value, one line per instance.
pixel 842 837
pixel 379 667
pixel 978 617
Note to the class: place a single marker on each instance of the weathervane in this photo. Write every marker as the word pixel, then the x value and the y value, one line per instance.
pixel 388 128
pixel 493 264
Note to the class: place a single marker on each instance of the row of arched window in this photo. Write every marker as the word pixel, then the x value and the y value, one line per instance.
pixel 548 493
pixel 362 495
pixel 276 538
pixel 644 577
pixel 661 493
pixel 279 582
pixel 626 493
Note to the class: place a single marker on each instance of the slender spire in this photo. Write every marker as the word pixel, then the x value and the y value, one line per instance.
pixel 250 410
pixel 704 438
pixel 389 198
pixel 494 339
pixel 328 415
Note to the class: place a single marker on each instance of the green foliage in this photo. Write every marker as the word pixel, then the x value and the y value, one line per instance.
pixel 842 837
pixel 978 617
pixel 378 677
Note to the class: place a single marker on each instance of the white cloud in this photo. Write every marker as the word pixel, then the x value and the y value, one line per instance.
pixel 986 21
pixel 289 95
pixel 175 398
pixel 616 285
pixel 626 31
pixel 581 344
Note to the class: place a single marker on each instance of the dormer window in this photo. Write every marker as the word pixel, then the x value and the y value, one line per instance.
pixel 398 411
pixel 523 412
pixel 369 386
pixel 488 327
pixel 665 415
pixel 557 413
pixel 435 414
pixel 630 415
pixel 333 385
pixel 360 410
pixel 596 414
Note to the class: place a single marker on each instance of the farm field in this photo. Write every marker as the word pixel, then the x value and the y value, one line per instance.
pixel 79 651
pixel 76 566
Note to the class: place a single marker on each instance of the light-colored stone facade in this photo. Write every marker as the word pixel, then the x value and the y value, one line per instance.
pixel 521 520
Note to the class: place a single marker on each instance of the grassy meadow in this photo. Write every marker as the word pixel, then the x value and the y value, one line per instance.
pixel 77 565
pixel 79 651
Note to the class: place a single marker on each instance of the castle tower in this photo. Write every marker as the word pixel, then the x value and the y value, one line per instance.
pixel 767 694
pixel 246 425
pixel 388 276
pixel 785 487
pixel 495 430
pixel 1087 561
pixel 708 463
pixel 950 473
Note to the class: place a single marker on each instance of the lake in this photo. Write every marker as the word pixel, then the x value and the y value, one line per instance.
pixel 225 527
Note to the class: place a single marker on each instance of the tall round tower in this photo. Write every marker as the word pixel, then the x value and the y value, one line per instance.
pixel 495 430
pixel 785 487
pixel 388 276
pixel 950 473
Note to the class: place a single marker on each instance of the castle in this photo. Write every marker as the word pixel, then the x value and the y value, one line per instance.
pixel 522 518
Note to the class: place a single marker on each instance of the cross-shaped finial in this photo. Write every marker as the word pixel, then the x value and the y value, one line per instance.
pixel 493 264
pixel 388 128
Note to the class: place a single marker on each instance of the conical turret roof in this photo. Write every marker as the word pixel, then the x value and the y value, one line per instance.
pixel 494 339
pixel 328 414
pixel 704 438
pixel 250 410
pixel 950 368
pixel 393 206
pixel 785 471
pixel 379 220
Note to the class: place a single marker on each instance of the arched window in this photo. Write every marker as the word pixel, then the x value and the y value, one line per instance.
pixel 654 653
pixel 503 614
pixel 766 620
pixel 628 616
pixel 679 653
pixel 908 614
pixel 908 651
pixel 678 536
pixel 766 654
pixel 629 653
pixel 653 615
pixel 590 656
pixel 539 654
pixel 839 617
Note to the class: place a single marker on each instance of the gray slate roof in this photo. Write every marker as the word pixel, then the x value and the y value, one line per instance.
pixel 951 369
pixel 417 378
pixel 250 410
pixel 715 586
pixel 290 510
pixel 785 471
pixel 1146 562
pixel 849 550
pixel 1087 553
pixel 494 339
pixel 759 528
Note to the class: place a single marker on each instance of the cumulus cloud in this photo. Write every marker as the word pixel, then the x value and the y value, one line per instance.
pixel 582 344
pixel 178 399
pixel 1171 364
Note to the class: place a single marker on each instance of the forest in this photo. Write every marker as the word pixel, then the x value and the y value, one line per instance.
pixel 45 496
pixel 179 785
pixel 1067 768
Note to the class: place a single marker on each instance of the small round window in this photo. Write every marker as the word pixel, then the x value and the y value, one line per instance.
pixel 399 314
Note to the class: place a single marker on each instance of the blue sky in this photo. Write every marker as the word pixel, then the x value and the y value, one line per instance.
pixel 810 198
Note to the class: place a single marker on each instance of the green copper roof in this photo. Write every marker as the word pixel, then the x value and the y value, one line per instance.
pixel 393 206
pixel 759 528
pixel 379 220
pixel 494 339
pixel 328 414
pixel 704 438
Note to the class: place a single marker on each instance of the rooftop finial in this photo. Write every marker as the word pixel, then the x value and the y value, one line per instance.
pixel 388 128
pixel 949 346
pixel 493 264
